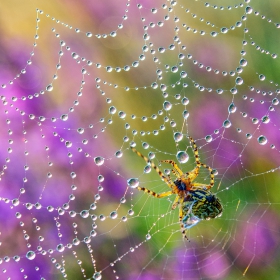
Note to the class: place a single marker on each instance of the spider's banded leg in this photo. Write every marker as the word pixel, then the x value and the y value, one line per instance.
pixel 200 185
pixel 176 167
pixel 176 202
pixel 158 195
pixel 199 164
pixel 167 181
pixel 211 175
pixel 183 230
pixel 195 150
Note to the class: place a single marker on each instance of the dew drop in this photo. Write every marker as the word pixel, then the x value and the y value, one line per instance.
pixel 99 160
pixel 232 108
pixel 84 213
pixel 64 117
pixel 239 81
pixel 182 156
pixel 148 236
pixel 147 169
pixel 243 62
pixel 112 110
pixel 73 175
pixel 113 215
pixel 133 182
pixel 178 136
pixel 265 119
pixel 80 130
pixel 262 140
pixel 118 154
pixel 214 34
pixel 208 138
pixel 16 258
pixel 262 77
pixel 49 88
pixel 226 124
pixel 248 10
pixel 30 255
pixel 68 144
pixel 186 114
pixel 60 247
pixel 97 276
pixel 167 106
pixel 89 34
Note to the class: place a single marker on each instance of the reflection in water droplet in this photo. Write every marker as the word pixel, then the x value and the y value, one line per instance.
pixel 133 182
pixel 99 160
pixel 262 140
pixel 182 156
pixel 147 169
pixel 265 119
pixel 30 255
pixel 84 213
pixel 208 138
pixel 262 77
pixel 167 105
pixel 64 117
pixel 178 136
pixel 113 215
pixel 49 88
pixel 118 154
pixel 186 114
pixel 239 81
pixel 226 124
pixel 148 236
pixel 232 108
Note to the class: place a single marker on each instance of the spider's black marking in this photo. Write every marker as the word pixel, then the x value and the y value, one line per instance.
pixel 180 185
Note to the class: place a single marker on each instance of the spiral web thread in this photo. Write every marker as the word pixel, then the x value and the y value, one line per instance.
pixel 70 208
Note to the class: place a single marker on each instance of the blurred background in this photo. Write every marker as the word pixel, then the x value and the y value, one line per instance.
pixel 83 81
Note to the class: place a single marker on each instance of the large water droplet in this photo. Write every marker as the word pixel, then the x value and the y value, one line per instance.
pixel 113 215
pixel 97 276
pixel 243 62
pixel 112 110
pixel 64 117
pixel 232 108
pixel 99 160
pixel 182 156
pixel 133 182
pixel 49 88
pixel 262 140
pixel 84 213
pixel 60 247
pixel 186 114
pixel 265 119
pixel 178 136
pixel 248 10
pixel 167 105
pixel 226 124
pixel 239 81
pixel 262 77
pixel 208 138
pixel 30 255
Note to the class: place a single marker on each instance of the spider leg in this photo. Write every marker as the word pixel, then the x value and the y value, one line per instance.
pixel 176 171
pixel 157 195
pixel 176 202
pixel 166 180
pixel 201 186
pixel 195 171
pixel 211 175
pixel 183 230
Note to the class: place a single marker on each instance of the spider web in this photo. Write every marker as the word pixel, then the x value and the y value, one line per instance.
pixel 84 81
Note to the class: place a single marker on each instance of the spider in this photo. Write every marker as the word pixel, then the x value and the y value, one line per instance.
pixel 196 202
